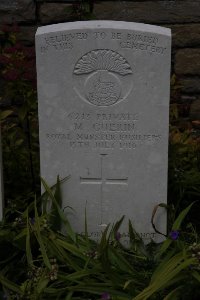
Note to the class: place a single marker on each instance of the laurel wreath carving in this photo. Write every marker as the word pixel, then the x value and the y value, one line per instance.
pixel 102 60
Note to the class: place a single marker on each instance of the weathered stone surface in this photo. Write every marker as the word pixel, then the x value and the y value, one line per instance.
pixel 1 181
pixel 27 35
pixel 190 85
pixel 103 91
pixel 153 12
pixel 195 110
pixel 17 11
pixel 53 13
pixel 187 35
pixel 187 61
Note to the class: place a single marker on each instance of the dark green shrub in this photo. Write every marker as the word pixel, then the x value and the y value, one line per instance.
pixel 19 118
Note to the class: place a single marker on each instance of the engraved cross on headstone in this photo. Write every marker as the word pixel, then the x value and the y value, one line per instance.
pixel 103 180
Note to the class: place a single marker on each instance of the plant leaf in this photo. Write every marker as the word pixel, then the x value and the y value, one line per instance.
pixel 4 114
pixel 28 244
pixel 39 239
pixel 181 217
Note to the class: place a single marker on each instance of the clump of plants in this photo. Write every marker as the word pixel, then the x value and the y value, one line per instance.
pixel 39 262
pixel 18 117
pixel 184 159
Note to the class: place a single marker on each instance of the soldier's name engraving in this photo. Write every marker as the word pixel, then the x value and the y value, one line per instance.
pixel 106 127
pixel 113 126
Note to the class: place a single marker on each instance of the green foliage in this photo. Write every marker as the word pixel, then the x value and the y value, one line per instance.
pixel 184 158
pixel 18 118
pixel 184 172
pixel 53 265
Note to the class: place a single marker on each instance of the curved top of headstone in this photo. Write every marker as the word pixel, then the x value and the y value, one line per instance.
pixel 103 24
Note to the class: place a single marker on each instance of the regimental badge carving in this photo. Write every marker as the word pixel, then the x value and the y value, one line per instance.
pixel 101 74
pixel 102 60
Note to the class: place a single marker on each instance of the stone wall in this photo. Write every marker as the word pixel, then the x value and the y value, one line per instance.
pixel 182 16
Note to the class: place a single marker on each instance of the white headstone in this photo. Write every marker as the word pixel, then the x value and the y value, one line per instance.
pixel 1 181
pixel 103 89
